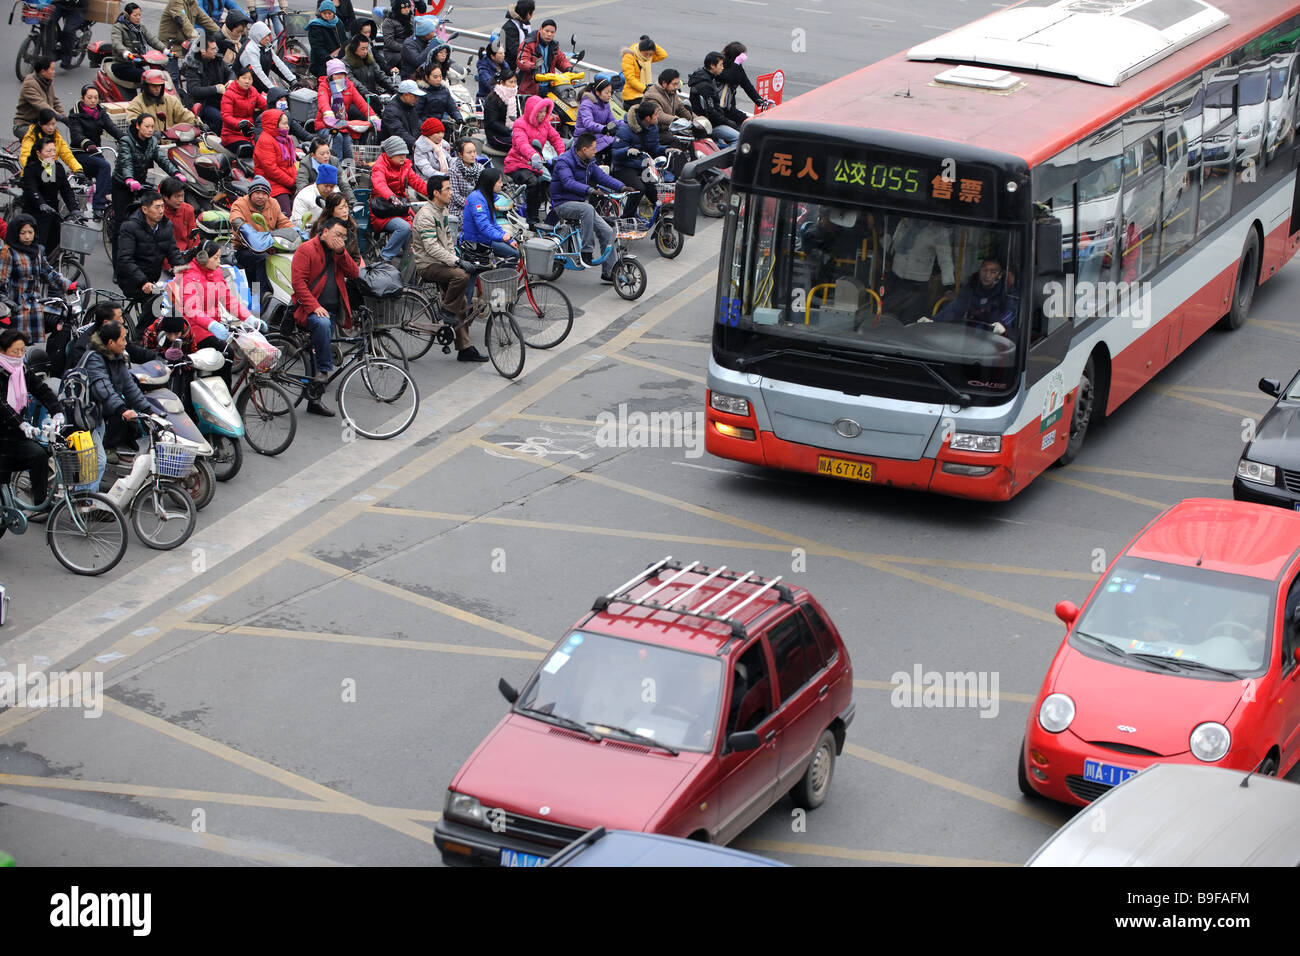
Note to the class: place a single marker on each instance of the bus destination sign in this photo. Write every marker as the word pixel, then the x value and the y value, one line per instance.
pixel 869 176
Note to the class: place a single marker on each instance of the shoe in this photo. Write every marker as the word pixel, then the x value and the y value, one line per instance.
pixel 587 257
pixel 97 215
pixel 321 377
pixel 316 408
pixel 470 354
pixel 39 518
pixel 607 278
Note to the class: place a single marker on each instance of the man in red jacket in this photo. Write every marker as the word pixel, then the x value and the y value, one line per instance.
pixel 321 268
pixel 179 213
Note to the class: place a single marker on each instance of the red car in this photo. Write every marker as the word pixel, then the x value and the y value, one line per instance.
pixel 1187 651
pixel 687 703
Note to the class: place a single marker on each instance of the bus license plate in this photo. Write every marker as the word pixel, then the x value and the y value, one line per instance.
pixel 839 468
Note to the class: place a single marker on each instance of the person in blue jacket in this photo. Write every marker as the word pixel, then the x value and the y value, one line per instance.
pixel 480 222
pixel 576 179
pixel 988 300
pixel 636 144
pixel 490 62
pixel 216 9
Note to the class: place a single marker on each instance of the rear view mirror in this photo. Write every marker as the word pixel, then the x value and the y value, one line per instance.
pixel 1047 246
pixel 743 740
pixel 1270 386
pixel 508 692
pixel 1067 612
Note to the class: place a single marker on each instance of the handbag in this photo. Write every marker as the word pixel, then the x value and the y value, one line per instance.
pixel 383 208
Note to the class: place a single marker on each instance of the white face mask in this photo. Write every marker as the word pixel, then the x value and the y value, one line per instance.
pixel 281 104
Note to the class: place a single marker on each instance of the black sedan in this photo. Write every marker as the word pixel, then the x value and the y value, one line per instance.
pixel 1269 470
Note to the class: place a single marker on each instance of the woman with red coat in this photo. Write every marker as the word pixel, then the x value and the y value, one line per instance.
pixel 240 105
pixel 276 158
pixel 524 162
pixel 389 177
pixel 337 101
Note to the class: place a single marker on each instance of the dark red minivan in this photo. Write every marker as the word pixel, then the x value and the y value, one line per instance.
pixel 687 702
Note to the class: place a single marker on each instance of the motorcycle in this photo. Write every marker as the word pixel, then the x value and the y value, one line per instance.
pixel 694 141
pixel 199 482
pixel 114 88
pixel 209 403
pixel 279 247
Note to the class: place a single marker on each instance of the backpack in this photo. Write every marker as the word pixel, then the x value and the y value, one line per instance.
pixel 79 406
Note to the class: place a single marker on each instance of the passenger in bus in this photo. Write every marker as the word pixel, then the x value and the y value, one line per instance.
pixel 988 300
pixel 834 240
pixel 913 248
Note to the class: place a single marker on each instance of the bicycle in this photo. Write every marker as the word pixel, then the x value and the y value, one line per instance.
pixel 659 224
pixel 74 518
pixel 43 39
pixel 629 275
pixel 370 383
pixel 163 513
pixel 76 242
pixel 270 422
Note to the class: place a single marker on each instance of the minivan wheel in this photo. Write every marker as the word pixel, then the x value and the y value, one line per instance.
pixel 810 792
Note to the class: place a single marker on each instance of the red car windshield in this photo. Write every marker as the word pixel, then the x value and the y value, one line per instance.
pixel 670 696
pixel 1189 616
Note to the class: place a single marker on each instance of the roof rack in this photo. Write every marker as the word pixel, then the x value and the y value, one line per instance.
pixel 680 606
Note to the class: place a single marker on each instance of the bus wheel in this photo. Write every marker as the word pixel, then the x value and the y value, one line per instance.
pixel 1243 294
pixel 1085 404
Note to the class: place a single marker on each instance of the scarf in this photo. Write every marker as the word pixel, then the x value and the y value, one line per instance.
pixel 470 172
pixel 15 227
pixel 507 95
pixel 284 139
pixel 17 397
pixel 92 112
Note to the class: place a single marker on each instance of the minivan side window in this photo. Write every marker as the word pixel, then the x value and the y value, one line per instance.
pixel 751 691
pixel 794 652
pixel 821 636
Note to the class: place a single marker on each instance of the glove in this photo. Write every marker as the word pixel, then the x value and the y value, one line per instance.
pixel 219 331
pixel 49 210
pixel 462 265
pixel 173 354
pixel 182 177
pixel 611 126
pixel 245 127
pixel 999 328
pixel 593 194
pixel 924 320
pixel 29 430
pixel 376 122
pixel 633 152
pixel 536 162
pixel 91 148
pixel 134 185
pixel 72 287
pixel 57 421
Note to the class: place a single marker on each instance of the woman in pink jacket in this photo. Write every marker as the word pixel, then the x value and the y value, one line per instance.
pixel 524 161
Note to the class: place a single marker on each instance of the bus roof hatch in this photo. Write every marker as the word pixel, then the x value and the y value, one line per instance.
pixel 1098 41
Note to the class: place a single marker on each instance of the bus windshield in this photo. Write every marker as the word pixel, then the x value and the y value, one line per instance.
pixel 905 296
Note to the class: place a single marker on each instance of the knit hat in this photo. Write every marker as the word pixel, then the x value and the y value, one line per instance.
pixel 326 5
pixel 335 66
pixel 327 175
pixel 259 182
pixel 432 125
pixel 173 324
pixel 424 26
pixel 548 23
pixel 395 146
pixel 409 86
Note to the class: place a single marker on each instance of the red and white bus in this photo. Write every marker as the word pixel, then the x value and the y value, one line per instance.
pixel 940 270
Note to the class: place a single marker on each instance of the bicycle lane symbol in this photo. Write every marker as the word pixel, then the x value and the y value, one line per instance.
pixel 538 447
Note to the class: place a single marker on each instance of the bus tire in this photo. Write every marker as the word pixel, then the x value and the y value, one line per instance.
pixel 1243 292
pixel 1085 412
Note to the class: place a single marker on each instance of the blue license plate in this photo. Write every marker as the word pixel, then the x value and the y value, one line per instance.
pixel 1109 774
pixel 514 858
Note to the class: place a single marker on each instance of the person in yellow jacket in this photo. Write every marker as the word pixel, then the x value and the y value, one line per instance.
pixel 638 69
pixel 48 129
pixel 154 99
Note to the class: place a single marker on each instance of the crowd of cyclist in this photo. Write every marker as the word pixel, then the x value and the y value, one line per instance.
pixel 230 78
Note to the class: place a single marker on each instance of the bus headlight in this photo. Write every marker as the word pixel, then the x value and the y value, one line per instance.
pixel 965 441
pixel 731 404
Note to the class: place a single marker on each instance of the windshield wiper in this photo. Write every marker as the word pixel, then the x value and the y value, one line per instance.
pixel 956 393
pixel 644 738
pixel 1106 644
pixel 568 722
pixel 746 360
pixel 1159 660
pixel 1201 665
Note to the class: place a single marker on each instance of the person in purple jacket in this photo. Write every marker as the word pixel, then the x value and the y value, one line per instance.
pixel 575 180
pixel 595 115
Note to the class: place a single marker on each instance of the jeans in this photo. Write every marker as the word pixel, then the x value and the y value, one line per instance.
pixel 341 145
pixel 399 238
pixel 72 21
pixel 504 250
pixel 211 115
pixel 726 135
pixel 254 266
pixel 589 224
pixel 321 330
pixel 97 168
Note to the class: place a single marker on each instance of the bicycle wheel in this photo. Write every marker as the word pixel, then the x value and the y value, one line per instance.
pixel 269 419
pixel 383 344
pixel 163 515
pixel 668 241
pixel 106 228
pixel 26 61
pixel 227 456
pixel 20 486
pixel 89 537
pixel 629 278
pixel 378 398
pixel 70 269
pixel 505 344
pixel 544 315
pixel 293 373
pixel 417 313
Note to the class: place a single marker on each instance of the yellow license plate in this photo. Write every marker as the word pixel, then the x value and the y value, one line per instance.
pixel 839 468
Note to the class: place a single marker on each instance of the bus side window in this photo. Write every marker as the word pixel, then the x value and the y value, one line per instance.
pixel 1218 147
pixel 1143 179
pixel 1182 172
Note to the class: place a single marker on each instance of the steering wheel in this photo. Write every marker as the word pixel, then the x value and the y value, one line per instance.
pixel 672 710
pixel 1227 627
pixel 1161 624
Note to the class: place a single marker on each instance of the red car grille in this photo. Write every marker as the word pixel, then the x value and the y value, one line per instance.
pixel 1124 748
pixel 1085 789
pixel 541 831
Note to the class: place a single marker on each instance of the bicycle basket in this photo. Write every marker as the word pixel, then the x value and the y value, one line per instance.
pixel 539 255
pixel 365 155
pixel 37 12
pixel 667 192
pixel 630 228
pixel 499 288
pixel 172 460
pixel 74 237
pixel 380 280
pixel 77 467
pixel 261 354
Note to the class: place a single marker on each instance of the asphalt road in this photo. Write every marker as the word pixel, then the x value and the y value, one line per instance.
pixel 299 683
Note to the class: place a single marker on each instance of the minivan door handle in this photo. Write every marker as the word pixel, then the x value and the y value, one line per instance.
pixel 770 736
pixel 822 691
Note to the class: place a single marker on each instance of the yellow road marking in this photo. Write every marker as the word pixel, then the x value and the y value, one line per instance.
pixel 1001 695
pixel 690 343
pixel 1019 806
pixel 1273 325
pixel 201 796
pixel 1109 492
pixel 387 818
pixel 656 367
pixel 393 590
pixel 525 416
pixel 1237 393
pixel 1173 392
pixel 1155 476
pixel 362 640
pixel 865 856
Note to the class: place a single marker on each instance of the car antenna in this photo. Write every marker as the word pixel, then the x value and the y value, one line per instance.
pixel 1245 781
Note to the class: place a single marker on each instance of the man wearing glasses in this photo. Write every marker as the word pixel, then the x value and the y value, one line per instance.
pixel 988 300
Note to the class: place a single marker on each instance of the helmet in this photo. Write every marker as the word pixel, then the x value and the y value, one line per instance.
pixel 155 76
pixel 680 127
pixel 38 362
pixel 335 66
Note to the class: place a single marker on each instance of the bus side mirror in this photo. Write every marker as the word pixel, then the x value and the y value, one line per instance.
pixel 1047 247
pixel 686 205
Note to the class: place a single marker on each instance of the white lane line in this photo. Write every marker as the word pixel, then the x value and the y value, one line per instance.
pixel 878 20
pixel 752 3
pixel 811 10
